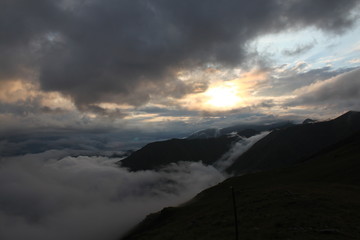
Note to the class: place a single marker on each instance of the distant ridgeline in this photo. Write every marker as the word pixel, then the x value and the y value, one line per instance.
pixel 294 144
pixel 287 144
pixel 310 190
pixel 207 146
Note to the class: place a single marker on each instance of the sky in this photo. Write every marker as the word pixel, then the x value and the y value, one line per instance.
pixel 117 74
pixel 81 81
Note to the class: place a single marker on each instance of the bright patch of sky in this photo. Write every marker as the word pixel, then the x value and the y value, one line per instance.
pixel 314 47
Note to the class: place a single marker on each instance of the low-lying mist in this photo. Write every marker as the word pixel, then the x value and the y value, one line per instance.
pixel 52 195
pixel 239 148
pixel 88 197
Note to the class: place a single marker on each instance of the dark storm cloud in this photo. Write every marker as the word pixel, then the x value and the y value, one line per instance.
pixel 128 51
pixel 116 113
pixel 21 24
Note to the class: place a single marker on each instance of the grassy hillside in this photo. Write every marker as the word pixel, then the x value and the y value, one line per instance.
pixel 317 199
pixel 287 146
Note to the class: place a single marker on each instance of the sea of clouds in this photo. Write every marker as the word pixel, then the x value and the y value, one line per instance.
pixel 54 195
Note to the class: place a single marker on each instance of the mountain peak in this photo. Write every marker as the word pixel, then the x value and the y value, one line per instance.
pixel 205 134
pixel 308 121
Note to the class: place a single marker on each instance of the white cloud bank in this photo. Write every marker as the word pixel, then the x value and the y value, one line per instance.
pixel 237 150
pixel 49 196
pixel 53 195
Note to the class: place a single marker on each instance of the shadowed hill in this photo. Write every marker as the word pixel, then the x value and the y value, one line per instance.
pixel 245 130
pixel 291 145
pixel 317 199
pixel 206 146
pixel 157 154
pixel 288 144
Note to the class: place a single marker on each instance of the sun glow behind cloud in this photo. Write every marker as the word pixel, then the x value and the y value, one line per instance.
pixel 22 91
pixel 228 89
pixel 223 97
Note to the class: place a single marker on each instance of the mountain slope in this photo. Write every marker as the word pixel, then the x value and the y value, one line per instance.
pixel 245 130
pixel 317 199
pixel 206 146
pixel 291 145
pixel 157 154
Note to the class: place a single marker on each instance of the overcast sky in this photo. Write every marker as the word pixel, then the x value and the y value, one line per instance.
pixel 138 69
pixel 82 80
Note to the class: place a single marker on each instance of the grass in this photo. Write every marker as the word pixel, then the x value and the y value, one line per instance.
pixel 317 199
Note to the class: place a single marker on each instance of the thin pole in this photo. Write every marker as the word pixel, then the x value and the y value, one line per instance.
pixel 235 214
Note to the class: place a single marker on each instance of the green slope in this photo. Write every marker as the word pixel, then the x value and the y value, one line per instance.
pixel 317 199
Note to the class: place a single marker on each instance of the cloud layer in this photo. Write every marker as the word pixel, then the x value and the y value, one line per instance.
pixel 128 51
pixel 342 90
pixel 237 150
pixel 55 196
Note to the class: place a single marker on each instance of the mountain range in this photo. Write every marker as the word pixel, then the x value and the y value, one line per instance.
pixel 245 130
pixel 286 144
pixel 208 146
pixel 294 144
pixel 310 191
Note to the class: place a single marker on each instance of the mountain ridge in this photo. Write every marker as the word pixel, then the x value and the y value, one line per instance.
pixel 293 144
pixel 206 149
pixel 315 199
pixel 287 144
pixel 157 154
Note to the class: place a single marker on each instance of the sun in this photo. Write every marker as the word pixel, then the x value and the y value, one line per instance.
pixel 223 97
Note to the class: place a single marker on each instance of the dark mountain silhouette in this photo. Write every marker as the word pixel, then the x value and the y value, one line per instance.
pixel 204 134
pixel 316 199
pixel 157 154
pixel 287 146
pixel 308 121
pixel 200 146
pixel 258 128
pixel 246 130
